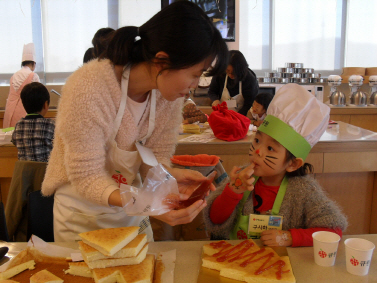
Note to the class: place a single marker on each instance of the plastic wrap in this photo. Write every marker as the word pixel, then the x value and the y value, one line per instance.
pixel 158 195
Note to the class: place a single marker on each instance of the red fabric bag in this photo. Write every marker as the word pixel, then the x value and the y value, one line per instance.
pixel 228 125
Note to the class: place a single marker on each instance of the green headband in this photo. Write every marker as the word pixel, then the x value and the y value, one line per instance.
pixel 286 136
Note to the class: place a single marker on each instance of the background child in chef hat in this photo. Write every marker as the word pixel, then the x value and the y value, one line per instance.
pixel 277 182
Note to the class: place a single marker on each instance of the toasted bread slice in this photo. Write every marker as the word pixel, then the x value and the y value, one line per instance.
pixel 45 276
pixel 130 250
pixel 140 273
pixel 111 262
pixel 270 275
pixel 215 247
pixel 226 254
pixel 8 281
pixel 79 268
pixel 111 240
pixel 21 262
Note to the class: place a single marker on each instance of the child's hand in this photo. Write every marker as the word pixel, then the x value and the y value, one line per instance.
pixel 274 238
pixel 258 123
pixel 241 181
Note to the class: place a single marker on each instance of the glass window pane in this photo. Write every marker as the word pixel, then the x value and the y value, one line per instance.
pixel 15 31
pixel 306 32
pixel 137 12
pixel 361 43
pixel 68 29
pixel 254 33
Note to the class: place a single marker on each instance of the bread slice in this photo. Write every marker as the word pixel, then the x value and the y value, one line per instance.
pixel 225 254
pixel 130 250
pixel 111 262
pixel 45 276
pixel 21 262
pixel 214 247
pixel 269 276
pixel 79 268
pixel 111 240
pixel 140 273
pixel 8 281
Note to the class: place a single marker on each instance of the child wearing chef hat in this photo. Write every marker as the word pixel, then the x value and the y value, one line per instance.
pixel 277 181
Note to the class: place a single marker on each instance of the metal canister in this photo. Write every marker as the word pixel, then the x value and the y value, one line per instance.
pixel 297 75
pixel 282 70
pixel 297 70
pixel 289 70
pixel 303 80
pixel 286 75
pixel 308 70
pixel 267 80
pixel 285 80
pixel 312 80
pixel 277 75
pixel 269 74
pixel 290 65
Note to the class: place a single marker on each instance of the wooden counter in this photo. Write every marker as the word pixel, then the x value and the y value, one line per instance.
pixel 188 263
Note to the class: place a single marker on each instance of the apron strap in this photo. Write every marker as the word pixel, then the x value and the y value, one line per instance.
pixel 225 94
pixel 280 196
pixel 123 101
pixel 240 88
pixel 152 118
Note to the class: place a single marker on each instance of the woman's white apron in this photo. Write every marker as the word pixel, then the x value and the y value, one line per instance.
pixel 74 214
pixel 236 102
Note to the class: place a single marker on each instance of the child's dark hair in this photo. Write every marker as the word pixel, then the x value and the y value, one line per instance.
pixel 89 55
pixel 34 96
pixel 182 30
pixel 25 63
pixel 264 99
pixel 305 169
pixel 101 40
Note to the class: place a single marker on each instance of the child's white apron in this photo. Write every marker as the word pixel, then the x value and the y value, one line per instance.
pixel 236 102
pixel 74 214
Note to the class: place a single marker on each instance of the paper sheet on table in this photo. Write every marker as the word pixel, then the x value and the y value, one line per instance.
pixel 203 138
pixel 46 248
pixel 168 265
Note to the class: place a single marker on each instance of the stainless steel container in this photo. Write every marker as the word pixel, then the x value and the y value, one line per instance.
pixel 267 80
pixel 297 70
pixel 294 80
pixel 358 98
pixel 303 80
pixel 289 70
pixel 337 98
pixel 294 65
pixel 308 70
pixel 282 70
pixel 277 75
pixel 260 80
pixel 286 75
pixel 285 80
pixel 312 80
pixel 308 75
pixel 299 75
pixel 373 98
pixel 269 74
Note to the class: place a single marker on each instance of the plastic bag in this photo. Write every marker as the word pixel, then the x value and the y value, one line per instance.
pixel 158 195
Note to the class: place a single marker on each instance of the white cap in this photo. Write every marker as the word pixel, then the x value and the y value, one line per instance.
pixel 28 54
pixel 294 106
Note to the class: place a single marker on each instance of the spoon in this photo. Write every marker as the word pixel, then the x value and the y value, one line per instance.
pixel 3 252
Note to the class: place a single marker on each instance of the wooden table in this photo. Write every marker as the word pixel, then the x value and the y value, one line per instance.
pixel 188 261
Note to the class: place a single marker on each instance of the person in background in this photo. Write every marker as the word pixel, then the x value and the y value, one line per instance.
pixel 100 42
pixel 89 55
pixel 115 109
pixel 257 112
pixel 239 82
pixel 33 135
pixel 191 113
pixel 14 110
pixel 277 181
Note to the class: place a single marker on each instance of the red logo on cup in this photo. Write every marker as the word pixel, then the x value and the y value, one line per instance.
pixel 354 261
pixel 119 178
pixel 322 254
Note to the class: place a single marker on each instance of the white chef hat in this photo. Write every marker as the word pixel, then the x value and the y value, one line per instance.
pixel 296 119
pixel 28 53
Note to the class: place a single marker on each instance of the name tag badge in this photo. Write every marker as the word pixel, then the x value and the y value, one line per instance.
pixel 259 223
pixel 231 103
pixel 146 155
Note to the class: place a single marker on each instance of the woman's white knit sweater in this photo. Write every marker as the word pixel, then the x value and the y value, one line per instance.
pixel 86 113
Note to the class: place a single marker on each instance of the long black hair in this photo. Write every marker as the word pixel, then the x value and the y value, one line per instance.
pixel 182 30
pixel 239 64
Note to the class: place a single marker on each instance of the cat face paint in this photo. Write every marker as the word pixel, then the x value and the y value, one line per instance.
pixel 268 156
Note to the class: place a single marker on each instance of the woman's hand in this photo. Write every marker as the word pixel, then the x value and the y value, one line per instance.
pixel 188 181
pixel 276 238
pixel 241 181
pixel 182 216
pixel 216 102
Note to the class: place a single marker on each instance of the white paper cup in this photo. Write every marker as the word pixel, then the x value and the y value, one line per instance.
pixel 325 246
pixel 358 255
